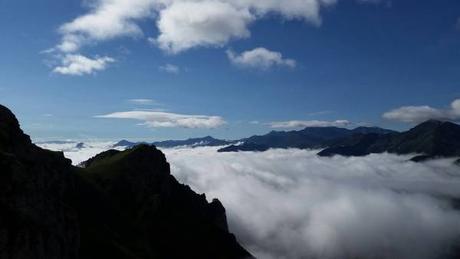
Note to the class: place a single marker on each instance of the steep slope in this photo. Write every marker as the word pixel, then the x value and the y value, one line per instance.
pixel 162 215
pixel 122 205
pixel 35 220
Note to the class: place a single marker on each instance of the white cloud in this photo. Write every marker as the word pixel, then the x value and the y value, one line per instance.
pixel 76 64
pixel 106 19
pixel 185 24
pixel 309 123
pixel 157 119
pixel 308 10
pixel 170 68
pixel 78 155
pixel 417 114
pixel 260 58
pixel 182 24
pixel 294 204
pixel 143 101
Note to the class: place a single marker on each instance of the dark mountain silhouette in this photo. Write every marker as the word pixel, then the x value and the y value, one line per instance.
pixel 80 145
pixel 368 130
pixel 431 139
pixel 308 138
pixel 191 142
pixel 121 205
pixel 244 147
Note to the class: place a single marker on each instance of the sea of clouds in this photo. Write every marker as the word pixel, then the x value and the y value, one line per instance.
pixel 294 204
pixel 78 154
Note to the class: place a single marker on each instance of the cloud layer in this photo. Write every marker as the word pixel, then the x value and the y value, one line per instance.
pixel 260 58
pixel 294 204
pixel 156 119
pixel 309 123
pixel 417 114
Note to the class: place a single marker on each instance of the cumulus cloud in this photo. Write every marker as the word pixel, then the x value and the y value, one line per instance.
pixel 169 68
pixel 181 24
pixel 309 123
pixel 106 19
pixel 260 58
pixel 157 119
pixel 417 114
pixel 185 24
pixel 294 204
pixel 75 64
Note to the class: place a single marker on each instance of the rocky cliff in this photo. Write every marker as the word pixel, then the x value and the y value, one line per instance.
pixel 120 205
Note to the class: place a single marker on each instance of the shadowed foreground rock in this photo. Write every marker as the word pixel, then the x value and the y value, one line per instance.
pixel 121 205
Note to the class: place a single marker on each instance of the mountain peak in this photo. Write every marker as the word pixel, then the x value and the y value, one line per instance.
pixel 433 124
pixel 11 135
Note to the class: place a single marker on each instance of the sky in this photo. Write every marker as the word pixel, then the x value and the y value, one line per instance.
pixel 173 69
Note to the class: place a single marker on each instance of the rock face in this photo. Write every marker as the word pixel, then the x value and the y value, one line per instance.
pixel 121 205
pixel 148 214
pixel 35 220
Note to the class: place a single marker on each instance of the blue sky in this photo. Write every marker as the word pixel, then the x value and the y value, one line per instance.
pixel 306 62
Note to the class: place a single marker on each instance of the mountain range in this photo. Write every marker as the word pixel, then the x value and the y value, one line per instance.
pixel 308 138
pixel 119 204
pixel 430 139
pixel 312 137
pixel 191 142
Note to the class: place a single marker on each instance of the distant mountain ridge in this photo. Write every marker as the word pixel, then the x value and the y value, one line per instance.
pixel 308 138
pixel 191 142
pixel 431 139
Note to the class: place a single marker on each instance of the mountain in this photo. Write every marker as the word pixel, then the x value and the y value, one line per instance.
pixel 310 137
pixel 244 147
pixel 431 139
pixel 80 145
pixel 122 204
pixel 191 142
pixel 369 130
